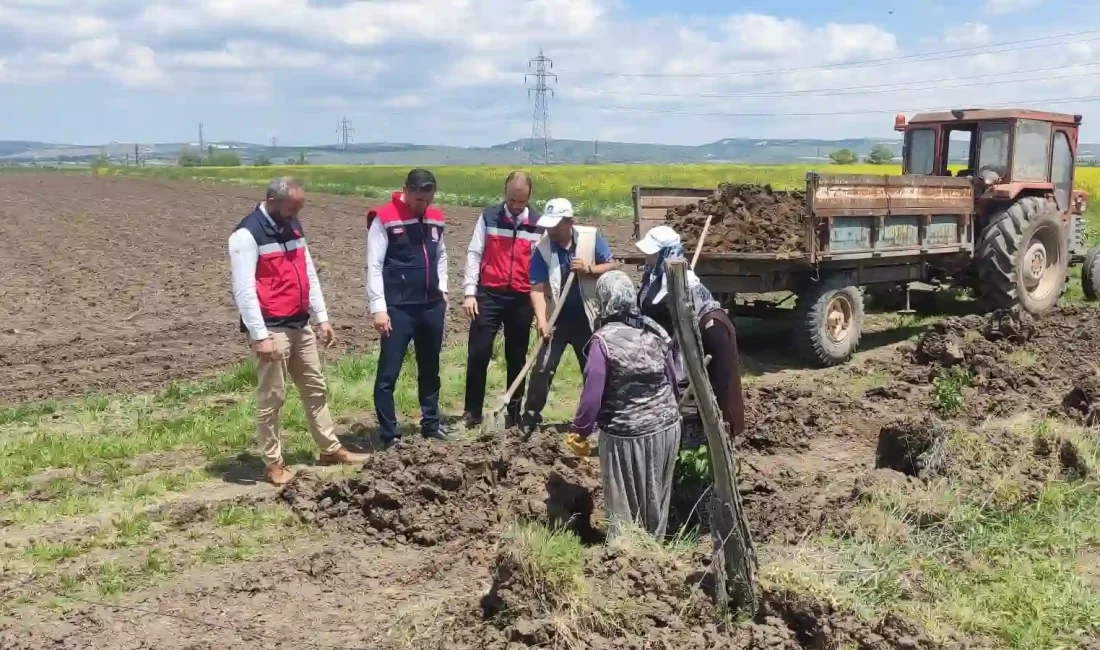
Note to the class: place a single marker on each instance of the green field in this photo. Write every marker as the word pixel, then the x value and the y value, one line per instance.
pixel 595 190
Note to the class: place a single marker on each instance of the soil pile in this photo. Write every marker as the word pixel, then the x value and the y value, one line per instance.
pixel 978 343
pixel 990 365
pixel 427 494
pixel 1004 363
pixel 746 219
pixel 637 601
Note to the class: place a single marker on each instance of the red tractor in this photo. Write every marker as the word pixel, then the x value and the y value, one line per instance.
pixel 1028 218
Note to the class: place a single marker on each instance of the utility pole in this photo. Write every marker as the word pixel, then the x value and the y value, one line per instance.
pixel 540 121
pixel 137 156
pixel 202 140
pixel 274 148
pixel 345 132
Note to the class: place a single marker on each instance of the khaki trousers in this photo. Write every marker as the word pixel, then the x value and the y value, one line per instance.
pixel 297 356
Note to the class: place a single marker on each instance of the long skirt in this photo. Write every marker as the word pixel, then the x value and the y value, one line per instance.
pixel 637 479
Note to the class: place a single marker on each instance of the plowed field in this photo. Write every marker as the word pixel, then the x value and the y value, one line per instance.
pixel 123 284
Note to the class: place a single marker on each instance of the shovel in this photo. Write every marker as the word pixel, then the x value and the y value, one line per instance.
pixel 494 421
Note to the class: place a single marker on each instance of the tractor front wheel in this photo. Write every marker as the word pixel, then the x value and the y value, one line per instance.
pixel 1023 257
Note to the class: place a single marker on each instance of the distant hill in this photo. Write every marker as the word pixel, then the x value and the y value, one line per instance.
pixel 516 152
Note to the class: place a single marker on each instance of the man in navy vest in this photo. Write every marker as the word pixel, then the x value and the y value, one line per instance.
pixel 276 288
pixel 498 292
pixel 407 294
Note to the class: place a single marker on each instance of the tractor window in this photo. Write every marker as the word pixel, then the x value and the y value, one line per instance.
pixel 993 148
pixel 958 150
pixel 920 151
pixel 1031 159
pixel 1061 171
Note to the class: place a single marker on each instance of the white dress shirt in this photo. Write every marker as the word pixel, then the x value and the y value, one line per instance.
pixel 243 257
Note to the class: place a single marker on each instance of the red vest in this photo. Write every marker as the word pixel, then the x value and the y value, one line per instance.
pixel 282 285
pixel 410 272
pixel 506 259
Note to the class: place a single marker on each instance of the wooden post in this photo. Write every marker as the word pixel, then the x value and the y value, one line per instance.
pixel 734 553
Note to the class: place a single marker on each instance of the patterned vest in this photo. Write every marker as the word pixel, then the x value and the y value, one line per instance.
pixel 638 399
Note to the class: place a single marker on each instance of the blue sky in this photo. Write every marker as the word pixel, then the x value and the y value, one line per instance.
pixel 451 71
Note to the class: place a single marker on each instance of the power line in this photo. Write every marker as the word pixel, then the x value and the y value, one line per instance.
pixel 922 57
pixel 345 132
pixel 1056 100
pixel 862 90
pixel 540 120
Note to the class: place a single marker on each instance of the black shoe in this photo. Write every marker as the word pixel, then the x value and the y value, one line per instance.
pixel 390 444
pixel 471 421
pixel 435 434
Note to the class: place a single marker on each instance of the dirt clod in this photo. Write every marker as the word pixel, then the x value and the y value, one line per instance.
pixel 746 219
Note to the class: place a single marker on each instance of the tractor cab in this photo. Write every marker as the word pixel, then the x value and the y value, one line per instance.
pixel 1008 153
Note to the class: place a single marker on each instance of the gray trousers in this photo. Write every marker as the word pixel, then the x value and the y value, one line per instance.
pixel 637 479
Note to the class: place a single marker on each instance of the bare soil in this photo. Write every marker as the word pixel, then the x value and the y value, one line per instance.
pixel 122 284
pixel 1015 363
pixel 745 219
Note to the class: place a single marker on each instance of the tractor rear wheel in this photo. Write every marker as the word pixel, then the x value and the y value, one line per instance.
pixel 1090 275
pixel 828 321
pixel 1023 257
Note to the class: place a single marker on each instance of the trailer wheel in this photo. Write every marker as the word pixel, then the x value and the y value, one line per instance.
pixel 1023 257
pixel 1090 275
pixel 829 321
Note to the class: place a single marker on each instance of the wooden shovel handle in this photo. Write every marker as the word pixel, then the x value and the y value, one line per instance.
pixel 702 238
pixel 533 357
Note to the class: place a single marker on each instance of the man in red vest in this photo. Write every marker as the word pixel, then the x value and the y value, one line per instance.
pixel 498 288
pixel 276 288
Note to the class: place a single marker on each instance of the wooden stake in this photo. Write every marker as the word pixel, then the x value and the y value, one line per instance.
pixel 734 553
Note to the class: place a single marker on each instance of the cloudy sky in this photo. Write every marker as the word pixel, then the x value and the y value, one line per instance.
pixel 452 71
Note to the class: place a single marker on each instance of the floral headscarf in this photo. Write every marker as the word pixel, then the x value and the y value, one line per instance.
pixel 616 295
pixel 615 292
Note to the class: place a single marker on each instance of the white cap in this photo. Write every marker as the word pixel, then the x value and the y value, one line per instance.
pixel 657 238
pixel 555 211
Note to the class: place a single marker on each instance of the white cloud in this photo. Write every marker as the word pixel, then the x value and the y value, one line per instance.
pixel 1009 6
pixel 440 70
pixel 968 34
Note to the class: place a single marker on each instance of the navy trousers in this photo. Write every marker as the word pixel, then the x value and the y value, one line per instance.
pixel 423 326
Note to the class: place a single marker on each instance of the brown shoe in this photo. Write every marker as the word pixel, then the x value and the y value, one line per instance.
pixel 342 457
pixel 278 474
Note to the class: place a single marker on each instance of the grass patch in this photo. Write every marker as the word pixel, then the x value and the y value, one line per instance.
pixel 1023 358
pixel 100 442
pixel 957 560
pixel 570 585
pixel 136 551
pixel 27 413
pixel 552 562
pixel 947 391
